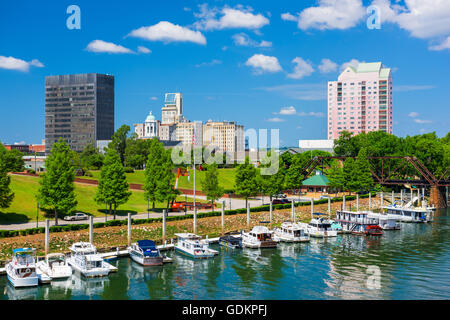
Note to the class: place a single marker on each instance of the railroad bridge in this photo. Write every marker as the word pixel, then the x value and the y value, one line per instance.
pixel 397 170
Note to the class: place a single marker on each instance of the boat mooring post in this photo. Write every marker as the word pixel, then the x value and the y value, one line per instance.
pixel 343 202
pixel 381 203
pixel 47 235
pixel 411 194
pixel 91 229
pixel 357 202
pixel 312 207
pixel 164 226
pixel 293 210
pixel 329 207
pixel 370 199
pixel 195 220
pixel 393 197
pixel 401 196
pixel 129 228
pixel 270 211
pixel 248 215
pixel 223 216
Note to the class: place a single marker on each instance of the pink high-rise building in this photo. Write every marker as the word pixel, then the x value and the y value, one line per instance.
pixel 361 100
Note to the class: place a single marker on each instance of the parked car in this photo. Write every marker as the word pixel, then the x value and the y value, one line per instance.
pixel 76 217
pixel 280 201
pixel 281 195
pixel 325 196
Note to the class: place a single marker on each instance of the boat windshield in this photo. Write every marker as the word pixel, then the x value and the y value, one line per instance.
pixel 264 236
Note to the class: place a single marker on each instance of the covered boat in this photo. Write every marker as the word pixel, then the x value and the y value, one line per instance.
pixel 145 253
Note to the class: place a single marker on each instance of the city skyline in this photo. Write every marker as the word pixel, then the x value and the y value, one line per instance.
pixel 247 61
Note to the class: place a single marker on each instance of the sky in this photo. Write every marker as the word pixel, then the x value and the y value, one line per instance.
pixel 261 63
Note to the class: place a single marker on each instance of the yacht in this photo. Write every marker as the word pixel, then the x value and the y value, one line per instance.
pixel 232 242
pixel 21 271
pixel 386 221
pixel 358 222
pixel 320 227
pixel 54 266
pixel 84 259
pixel 409 213
pixel 258 237
pixel 191 245
pixel 145 253
pixel 290 232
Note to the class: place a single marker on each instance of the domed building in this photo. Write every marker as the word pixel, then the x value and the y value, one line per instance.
pixel 149 129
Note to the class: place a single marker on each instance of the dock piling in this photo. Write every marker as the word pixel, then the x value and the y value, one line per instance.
pixel 343 202
pixel 293 210
pixel 47 235
pixel 195 220
pixel 312 207
pixel 270 211
pixel 357 202
pixel 381 202
pixel 91 229
pixel 401 196
pixel 223 216
pixel 248 215
pixel 164 226
pixel 329 207
pixel 129 229
pixel 393 197
pixel 370 199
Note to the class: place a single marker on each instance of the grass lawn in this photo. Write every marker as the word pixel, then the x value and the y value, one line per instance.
pixel 24 205
pixel 226 178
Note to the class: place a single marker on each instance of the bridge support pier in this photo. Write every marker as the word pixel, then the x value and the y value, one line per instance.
pixel 437 197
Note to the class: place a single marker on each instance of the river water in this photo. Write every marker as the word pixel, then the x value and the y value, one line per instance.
pixel 412 263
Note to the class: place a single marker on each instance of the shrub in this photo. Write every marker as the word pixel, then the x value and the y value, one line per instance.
pixel 128 169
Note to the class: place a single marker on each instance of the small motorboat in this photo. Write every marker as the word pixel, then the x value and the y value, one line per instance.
pixel 191 245
pixel 373 230
pixel 21 271
pixel 320 227
pixel 229 241
pixel 258 237
pixel 290 232
pixel 146 253
pixel 54 266
pixel 86 261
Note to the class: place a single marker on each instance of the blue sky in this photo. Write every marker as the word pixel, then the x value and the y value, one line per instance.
pixel 235 60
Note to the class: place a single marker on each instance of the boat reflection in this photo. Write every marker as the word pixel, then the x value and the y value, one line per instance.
pixel 26 293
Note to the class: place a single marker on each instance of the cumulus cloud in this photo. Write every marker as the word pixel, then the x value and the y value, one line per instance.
pixel 413 114
pixel 12 63
pixel 238 17
pixel 168 32
pixel 275 120
pixel 442 46
pixel 108 47
pixel 209 64
pixel 329 14
pixel 352 63
pixel 288 111
pixel 142 49
pixel 261 63
pixel 242 39
pixel 327 66
pixel 301 69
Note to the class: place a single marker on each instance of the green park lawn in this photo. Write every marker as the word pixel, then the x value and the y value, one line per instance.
pixel 24 205
pixel 226 178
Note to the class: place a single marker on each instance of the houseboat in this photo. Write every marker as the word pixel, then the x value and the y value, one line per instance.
pixel 258 237
pixel 191 245
pixel 230 241
pixel 86 261
pixel 21 271
pixel 320 227
pixel 386 221
pixel 145 253
pixel 408 213
pixel 54 266
pixel 290 232
pixel 358 222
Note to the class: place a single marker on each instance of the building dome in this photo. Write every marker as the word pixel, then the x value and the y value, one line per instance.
pixel 150 117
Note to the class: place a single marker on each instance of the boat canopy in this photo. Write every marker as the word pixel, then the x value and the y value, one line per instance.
pixel 319 214
pixel 23 250
pixel 144 244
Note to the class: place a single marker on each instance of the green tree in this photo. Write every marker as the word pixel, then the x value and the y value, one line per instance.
pixel 6 195
pixel 119 141
pixel 362 173
pixel 91 157
pixel 136 152
pixel 113 188
pixel 210 185
pixel 246 181
pixel 56 191
pixel 350 183
pixel 165 186
pixel 336 177
pixel 153 170
pixel 294 176
pixel 12 159
pixel 272 183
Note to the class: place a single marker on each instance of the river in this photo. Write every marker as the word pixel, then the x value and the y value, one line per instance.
pixel 412 263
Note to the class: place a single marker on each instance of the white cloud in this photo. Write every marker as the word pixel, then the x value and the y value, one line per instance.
pixel 275 120
pixel 142 49
pixel 352 63
pixel 208 64
pixel 261 63
pixel 442 46
pixel 108 47
pixel 288 111
pixel 12 63
pixel 168 32
pixel 301 69
pixel 329 14
pixel 422 121
pixel 238 17
pixel 327 66
pixel 413 114
pixel 242 39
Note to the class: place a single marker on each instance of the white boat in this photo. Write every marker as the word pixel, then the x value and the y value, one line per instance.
pixel 21 271
pixel 145 253
pixel 358 222
pixel 409 213
pixel 386 221
pixel 320 228
pixel 290 232
pixel 191 245
pixel 258 237
pixel 54 266
pixel 84 259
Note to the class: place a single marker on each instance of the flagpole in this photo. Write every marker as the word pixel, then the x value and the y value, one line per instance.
pixel 193 148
